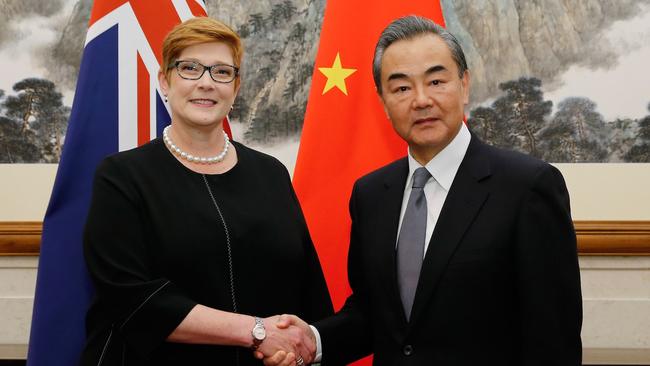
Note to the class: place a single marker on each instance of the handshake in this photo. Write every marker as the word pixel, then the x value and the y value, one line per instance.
pixel 288 341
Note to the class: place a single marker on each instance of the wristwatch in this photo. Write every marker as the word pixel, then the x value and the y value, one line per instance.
pixel 258 332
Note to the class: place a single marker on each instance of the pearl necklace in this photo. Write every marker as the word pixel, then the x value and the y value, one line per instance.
pixel 196 159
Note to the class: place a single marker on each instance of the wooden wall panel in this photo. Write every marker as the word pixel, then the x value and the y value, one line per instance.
pixel 613 237
pixel 20 237
pixel 594 237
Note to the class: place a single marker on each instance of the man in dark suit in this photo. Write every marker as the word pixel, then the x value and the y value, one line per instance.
pixel 460 253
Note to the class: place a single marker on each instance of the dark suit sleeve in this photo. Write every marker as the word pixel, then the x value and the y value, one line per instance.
pixel 317 303
pixel 548 277
pixel 315 295
pixel 347 336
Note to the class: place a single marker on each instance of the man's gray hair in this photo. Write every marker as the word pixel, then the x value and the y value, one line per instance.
pixel 409 27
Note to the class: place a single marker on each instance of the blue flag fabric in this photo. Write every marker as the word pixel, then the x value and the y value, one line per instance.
pixel 63 286
pixel 63 289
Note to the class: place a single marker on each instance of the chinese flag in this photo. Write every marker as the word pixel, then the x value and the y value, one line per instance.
pixel 346 133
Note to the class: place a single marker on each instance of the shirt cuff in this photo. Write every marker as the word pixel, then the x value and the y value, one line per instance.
pixel 319 345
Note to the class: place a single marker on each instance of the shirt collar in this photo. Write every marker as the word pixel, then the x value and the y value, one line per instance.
pixel 445 164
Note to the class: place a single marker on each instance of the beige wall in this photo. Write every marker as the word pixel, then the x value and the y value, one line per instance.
pixel 608 191
pixel 598 191
pixel 25 191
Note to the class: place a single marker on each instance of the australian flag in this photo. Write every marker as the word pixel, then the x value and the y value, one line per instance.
pixel 117 106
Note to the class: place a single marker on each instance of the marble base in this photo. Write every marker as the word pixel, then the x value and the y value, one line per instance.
pixel 17 284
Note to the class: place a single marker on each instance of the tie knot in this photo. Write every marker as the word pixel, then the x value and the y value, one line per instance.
pixel 420 177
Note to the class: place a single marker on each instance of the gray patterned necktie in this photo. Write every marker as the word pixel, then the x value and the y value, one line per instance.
pixel 410 244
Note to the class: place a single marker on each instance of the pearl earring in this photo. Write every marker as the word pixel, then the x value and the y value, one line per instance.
pixel 165 99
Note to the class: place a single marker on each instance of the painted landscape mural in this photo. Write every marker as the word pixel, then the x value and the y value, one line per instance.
pixel 566 81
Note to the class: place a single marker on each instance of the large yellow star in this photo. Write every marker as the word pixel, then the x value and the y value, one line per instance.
pixel 336 75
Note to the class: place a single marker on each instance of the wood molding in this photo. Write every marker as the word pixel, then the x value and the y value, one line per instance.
pixel 594 237
pixel 613 237
pixel 20 237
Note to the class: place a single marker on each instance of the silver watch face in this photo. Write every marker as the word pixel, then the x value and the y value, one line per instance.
pixel 259 332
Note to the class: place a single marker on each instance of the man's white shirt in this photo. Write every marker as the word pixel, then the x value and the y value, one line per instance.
pixel 443 168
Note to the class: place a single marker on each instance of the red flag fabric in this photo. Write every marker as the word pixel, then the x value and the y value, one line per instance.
pixel 346 132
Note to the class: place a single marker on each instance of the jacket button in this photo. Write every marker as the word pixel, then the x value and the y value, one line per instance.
pixel 408 350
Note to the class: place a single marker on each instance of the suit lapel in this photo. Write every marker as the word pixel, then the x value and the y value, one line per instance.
pixel 463 202
pixel 388 221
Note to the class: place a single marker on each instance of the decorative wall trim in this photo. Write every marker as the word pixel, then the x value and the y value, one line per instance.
pixel 20 237
pixel 594 237
pixel 613 237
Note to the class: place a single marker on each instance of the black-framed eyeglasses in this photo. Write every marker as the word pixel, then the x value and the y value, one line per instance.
pixel 192 70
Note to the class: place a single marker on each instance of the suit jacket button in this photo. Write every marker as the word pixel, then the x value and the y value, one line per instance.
pixel 408 350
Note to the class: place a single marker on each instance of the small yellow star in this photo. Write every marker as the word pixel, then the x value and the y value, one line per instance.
pixel 336 75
